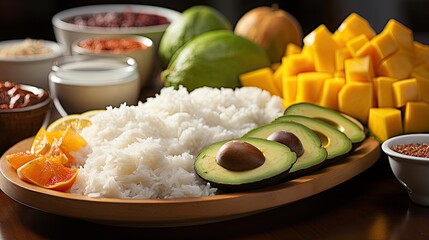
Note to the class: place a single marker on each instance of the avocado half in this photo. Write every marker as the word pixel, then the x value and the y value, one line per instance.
pixel 314 153
pixel 336 143
pixel 278 162
pixel 343 123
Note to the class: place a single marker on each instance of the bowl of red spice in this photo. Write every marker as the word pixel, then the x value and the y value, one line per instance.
pixel 137 47
pixel 111 19
pixel 24 109
pixel 409 159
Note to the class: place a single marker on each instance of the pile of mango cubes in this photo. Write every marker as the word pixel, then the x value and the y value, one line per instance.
pixel 380 79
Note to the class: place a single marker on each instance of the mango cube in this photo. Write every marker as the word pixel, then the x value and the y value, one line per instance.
pixel 369 49
pixel 384 44
pixel 341 55
pixel 353 26
pixel 405 91
pixel 331 88
pixel 296 63
pixel 402 35
pixel 384 91
pixel 292 48
pixel 310 85
pixel 421 52
pixel 416 117
pixel 322 46
pixel 355 99
pixel 261 78
pixel 398 65
pixel 385 123
pixel 356 43
pixel 359 69
pixel 423 89
pixel 289 85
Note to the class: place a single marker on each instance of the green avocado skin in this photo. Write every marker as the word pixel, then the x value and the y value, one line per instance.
pixel 214 59
pixel 192 22
pixel 278 161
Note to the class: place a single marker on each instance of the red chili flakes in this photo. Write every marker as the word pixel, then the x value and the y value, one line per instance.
pixel 413 149
pixel 114 45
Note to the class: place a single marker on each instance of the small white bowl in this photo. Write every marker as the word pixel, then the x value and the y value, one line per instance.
pixel 412 172
pixel 83 83
pixel 143 57
pixel 66 33
pixel 29 69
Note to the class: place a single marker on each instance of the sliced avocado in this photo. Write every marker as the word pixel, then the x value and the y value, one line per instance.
pixel 344 124
pixel 336 143
pixel 278 161
pixel 314 154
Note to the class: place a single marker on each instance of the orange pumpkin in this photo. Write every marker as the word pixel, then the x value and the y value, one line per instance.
pixel 271 28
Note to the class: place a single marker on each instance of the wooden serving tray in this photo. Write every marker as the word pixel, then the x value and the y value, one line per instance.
pixel 182 211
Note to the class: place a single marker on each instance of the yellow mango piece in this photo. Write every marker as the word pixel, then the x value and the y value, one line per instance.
pixel 384 44
pixel 341 55
pixel 355 99
pixel 398 65
pixel 356 43
pixel 277 77
pixel 261 78
pixel 384 91
pixel 385 123
pixel 292 48
pixel 405 91
pixel 331 88
pixel 416 117
pixel 420 71
pixel 296 63
pixel 423 89
pixel 421 53
pixel 322 46
pixel 289 85
pixel 359 69
pixel 369 49
pixel 310 85
pixel 354 25
pixel 402 35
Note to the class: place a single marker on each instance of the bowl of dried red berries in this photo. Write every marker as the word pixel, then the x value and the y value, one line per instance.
pixel 24 109
pixel 409 159
pixel 111 19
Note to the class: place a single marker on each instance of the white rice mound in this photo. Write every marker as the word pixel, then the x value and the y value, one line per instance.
pixel 147 151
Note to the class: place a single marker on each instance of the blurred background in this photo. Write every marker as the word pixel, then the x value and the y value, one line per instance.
pixel 32 19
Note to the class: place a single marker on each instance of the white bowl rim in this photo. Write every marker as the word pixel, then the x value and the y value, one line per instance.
pixel 405 139
pixel 31 107
pixel 142 39
pixel 58 18
pixel 56 47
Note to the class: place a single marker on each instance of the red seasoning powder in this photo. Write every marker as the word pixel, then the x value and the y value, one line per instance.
pixel 413 149
pixel 116 45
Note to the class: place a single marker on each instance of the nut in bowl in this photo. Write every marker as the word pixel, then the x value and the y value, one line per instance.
pixel 409 159
pixel 137 47
pixel 23 110
pixel 77 23
pixel 28 61
pixel 83 83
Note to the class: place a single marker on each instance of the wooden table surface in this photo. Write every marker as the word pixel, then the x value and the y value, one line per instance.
pixel 372 205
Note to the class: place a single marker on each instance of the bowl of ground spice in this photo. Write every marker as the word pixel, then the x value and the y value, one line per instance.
pixel 409 159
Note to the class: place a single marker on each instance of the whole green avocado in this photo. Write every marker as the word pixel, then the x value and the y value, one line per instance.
pixel 192 22
pixel 214 59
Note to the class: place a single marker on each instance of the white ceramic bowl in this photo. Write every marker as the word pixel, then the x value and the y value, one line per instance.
pixel 29 69
pixel 83 83
pixel 66 33
pixel 412 172
pixel 143 56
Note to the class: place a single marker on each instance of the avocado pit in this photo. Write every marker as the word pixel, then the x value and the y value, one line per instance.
pixel 239 156
pixel 289 139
